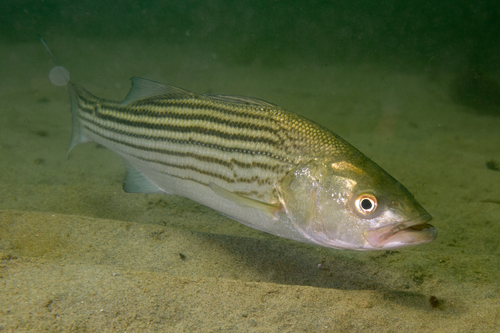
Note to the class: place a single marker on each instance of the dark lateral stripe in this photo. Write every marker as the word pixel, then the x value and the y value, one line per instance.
pixel 213 118
pixel 202 103
pixel 200 143
pixel 205 130
pixel 244 193
pixel 230 180
pixel 202 158
pixel 146 108
pixel 210 119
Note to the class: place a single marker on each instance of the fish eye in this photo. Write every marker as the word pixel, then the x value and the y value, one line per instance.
pixel 366 203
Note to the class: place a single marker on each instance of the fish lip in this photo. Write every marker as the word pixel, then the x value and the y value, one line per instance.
pixel 381 237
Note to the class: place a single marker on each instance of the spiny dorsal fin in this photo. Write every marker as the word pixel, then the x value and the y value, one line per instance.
pixel 143 88
pixel 270 209
pixel 242 100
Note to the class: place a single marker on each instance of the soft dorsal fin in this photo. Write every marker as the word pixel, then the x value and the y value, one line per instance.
pixel 143 88
pixel 242 100
pixel 269 209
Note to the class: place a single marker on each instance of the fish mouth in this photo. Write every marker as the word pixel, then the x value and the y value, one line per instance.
pixel 413 232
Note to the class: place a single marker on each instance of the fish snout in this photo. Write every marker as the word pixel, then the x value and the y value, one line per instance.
pixel 409 233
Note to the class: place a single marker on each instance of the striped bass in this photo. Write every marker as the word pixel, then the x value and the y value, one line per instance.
pixel 253 161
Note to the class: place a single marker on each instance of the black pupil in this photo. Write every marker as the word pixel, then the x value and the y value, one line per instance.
pixel 366 204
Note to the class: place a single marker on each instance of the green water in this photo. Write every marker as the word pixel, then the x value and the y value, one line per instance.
pixel 415 86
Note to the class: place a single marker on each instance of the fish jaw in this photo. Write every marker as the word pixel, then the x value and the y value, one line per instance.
pixel 409 233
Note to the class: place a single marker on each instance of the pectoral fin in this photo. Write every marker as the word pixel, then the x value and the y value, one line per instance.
pixel 270 209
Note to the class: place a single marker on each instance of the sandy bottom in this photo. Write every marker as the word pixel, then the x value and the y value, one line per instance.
pixel 77 254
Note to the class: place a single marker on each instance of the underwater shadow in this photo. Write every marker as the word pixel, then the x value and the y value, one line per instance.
pixel 291 263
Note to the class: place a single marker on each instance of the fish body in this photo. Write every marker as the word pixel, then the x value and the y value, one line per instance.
pixel 253 161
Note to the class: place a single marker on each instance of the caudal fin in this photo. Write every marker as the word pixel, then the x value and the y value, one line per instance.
pixel 77 136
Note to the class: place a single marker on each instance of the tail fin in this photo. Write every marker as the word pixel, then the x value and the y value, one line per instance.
pixel 58 75
pixel 77 136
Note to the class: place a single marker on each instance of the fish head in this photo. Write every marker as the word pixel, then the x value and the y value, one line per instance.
pixel 353 205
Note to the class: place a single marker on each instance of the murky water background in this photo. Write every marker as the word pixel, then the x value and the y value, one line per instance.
pixel 416 91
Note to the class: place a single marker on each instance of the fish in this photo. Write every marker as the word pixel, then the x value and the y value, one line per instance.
pixel 253 161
